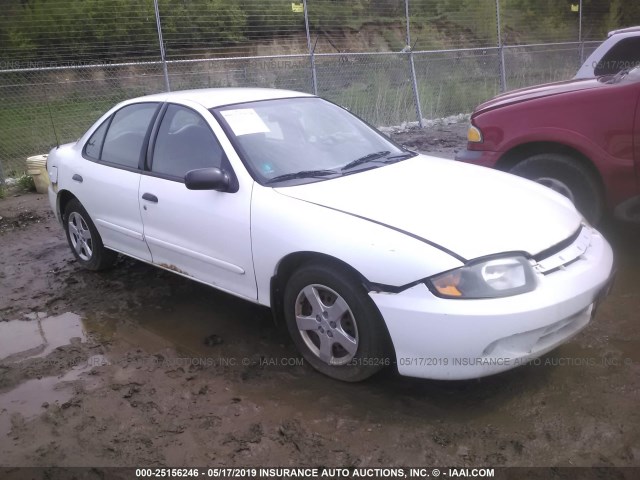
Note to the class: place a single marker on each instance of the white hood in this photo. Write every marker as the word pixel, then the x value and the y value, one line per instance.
pixel 472 211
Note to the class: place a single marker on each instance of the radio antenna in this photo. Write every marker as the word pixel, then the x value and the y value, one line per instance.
pixel 53 126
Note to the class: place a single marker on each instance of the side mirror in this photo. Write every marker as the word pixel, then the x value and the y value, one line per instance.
pixel 207 179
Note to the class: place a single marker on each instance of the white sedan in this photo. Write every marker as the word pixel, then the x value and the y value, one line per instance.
pixel 371 254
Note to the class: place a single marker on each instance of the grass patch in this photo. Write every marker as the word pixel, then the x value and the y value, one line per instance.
pixel 26 128
pixel 25 183
pixel 381 90
pixel 394 39
pixel 440 99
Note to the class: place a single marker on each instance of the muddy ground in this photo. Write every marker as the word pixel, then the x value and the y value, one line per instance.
pixel 140 367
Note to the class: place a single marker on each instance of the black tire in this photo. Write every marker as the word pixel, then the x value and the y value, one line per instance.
pixel 361 322
pixel 582 185
pixel 87 248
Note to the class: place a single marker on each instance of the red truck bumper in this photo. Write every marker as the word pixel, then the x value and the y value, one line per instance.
pixel 478 157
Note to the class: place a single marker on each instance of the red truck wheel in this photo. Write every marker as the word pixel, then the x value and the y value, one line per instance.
pixel 567 176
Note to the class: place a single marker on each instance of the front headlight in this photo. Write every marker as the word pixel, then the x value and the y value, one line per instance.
pixel 488 278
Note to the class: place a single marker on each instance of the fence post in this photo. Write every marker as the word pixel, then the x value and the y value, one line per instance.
pixel 312 60
pixel 409 50
pixel 162 53
pixel 503 73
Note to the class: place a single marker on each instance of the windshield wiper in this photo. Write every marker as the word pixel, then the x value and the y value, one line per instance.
pixel 376 157
pixel 302 174
pixel 367 158
pixel 399 156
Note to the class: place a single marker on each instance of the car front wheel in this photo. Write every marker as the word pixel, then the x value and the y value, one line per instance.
pixel 84 239
pixel 567 176
pixel 334 324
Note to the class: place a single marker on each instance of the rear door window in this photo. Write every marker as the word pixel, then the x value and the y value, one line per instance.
pixel 126 135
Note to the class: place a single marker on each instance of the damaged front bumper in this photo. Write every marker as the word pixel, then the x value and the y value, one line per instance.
pixel 458 339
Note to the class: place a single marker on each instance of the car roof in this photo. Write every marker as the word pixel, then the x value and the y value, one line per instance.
pixel 624 30
pixel 217 97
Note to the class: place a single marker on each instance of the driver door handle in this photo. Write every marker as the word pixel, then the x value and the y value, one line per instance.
pixel 150 197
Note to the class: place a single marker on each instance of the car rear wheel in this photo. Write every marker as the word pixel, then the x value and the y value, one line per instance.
pixel 334 324
pixel 567 176
pixel 84 239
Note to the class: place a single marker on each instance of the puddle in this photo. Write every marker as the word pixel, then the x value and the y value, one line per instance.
pixel 27 399
pixel 185 324
pixel 245 332
pixel 38 336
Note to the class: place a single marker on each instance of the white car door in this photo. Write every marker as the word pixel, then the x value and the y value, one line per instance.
pixel 204 234
pixel 107 185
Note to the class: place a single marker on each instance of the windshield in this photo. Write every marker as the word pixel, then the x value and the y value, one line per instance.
pixel 299 140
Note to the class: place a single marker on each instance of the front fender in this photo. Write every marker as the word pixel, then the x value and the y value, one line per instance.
pixel 281 225
pixel 504 141
pixel 613 170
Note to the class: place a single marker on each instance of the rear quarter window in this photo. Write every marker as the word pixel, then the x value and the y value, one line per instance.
pixel 93 146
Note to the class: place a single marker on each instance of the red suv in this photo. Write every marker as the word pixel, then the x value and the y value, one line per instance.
pixel 580 138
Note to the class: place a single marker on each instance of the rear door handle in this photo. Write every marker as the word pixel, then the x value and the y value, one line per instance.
pixel 150 197
pixel 77 178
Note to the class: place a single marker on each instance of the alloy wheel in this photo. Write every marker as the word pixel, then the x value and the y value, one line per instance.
pixel 326 324
pixel 80 236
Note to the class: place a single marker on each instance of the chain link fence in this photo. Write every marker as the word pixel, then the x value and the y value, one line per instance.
pixel 389 61
pixel 41 107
